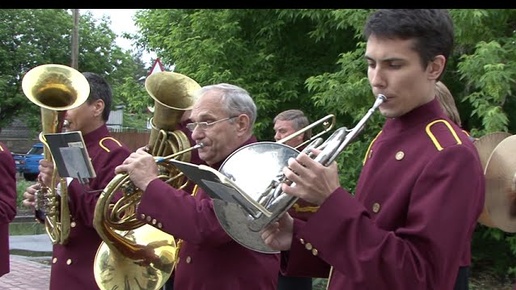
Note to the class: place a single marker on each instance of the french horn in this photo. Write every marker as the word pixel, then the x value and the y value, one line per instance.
pixel 134 254
pixel 55 89
pixel 245 202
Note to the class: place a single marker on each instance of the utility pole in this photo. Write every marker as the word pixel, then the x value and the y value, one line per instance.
pixel 75 39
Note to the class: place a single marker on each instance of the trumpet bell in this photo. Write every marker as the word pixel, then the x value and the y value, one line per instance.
pixel 241 220
pixel 152 272
pixel 55 87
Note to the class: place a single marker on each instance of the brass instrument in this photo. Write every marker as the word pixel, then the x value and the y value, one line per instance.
pixel 243 221
pixel 325 122
pixel 496 152
pixel 55 88
pixel 133 254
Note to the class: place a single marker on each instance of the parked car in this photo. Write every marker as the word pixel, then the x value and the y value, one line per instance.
pixel 19 160
pixel 30 169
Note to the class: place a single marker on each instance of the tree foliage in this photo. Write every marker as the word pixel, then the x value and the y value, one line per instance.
pixel 313 60
pixel 32 37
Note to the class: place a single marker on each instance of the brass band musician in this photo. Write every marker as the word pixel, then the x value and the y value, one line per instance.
pixel 72 263
pixel 410 222
pixel 223 117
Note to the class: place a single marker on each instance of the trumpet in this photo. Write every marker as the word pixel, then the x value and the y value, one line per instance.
pixel 243 221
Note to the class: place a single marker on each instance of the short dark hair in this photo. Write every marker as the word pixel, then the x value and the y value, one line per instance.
pixel 431 29
pixel 99 90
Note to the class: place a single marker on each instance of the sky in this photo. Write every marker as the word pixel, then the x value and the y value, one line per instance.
pixel 121 21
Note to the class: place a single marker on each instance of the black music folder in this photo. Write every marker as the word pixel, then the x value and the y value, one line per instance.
pixel 70 155
pixel 219 186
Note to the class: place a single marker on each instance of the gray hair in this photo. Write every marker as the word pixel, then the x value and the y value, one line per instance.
pixel 235 100
pixel 298 119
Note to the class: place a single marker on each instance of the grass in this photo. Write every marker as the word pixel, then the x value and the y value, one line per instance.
pixel 24 228
pixel 21 185
pixel 18 228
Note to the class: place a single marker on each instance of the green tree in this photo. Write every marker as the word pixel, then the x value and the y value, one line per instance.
pixel 269 52
pixel 32 37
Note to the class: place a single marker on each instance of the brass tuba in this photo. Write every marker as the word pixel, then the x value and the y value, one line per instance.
pixel 55 88
pixel 133 254
pixel 244 215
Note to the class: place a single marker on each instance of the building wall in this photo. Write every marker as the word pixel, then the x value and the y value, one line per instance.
pixel 17 137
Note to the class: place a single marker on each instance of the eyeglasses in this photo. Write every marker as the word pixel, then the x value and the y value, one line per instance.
pixel 205 125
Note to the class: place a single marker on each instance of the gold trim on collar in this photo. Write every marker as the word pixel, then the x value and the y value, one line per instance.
pixel 432 136
pixel 368 153
pixel 106 138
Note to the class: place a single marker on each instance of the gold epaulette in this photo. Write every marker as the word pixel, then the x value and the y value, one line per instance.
pixel 195 189
pixel 434 139
pixel 368 151
pixel 299 208
pixel 101 143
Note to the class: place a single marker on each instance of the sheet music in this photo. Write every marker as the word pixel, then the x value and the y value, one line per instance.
pixel 70 155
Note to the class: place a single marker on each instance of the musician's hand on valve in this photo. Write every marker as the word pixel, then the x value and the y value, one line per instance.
pixel 278 235
pixel 141 167
pixel 314 182
pixel 29 195
pixel 46 169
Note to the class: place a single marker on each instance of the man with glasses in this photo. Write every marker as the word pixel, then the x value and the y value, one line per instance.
pixel 223 119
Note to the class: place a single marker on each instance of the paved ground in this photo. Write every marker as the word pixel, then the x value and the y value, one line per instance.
pixel 30 258
pixel 26 273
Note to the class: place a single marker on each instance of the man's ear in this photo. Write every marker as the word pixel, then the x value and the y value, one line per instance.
pixel 436 67
pixel 99 107
pixel 243 123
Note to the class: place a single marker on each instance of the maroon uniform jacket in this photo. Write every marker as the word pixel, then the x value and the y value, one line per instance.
pixel 72 263
pixel 7 204
pixel 208 257
pixel 410 224
pixel 302 209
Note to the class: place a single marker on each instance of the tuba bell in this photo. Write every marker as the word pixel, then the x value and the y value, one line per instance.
pixel 259 200
pixel 129 246
pixel 55 88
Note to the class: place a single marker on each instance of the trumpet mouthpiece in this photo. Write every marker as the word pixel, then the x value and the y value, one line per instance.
pixel 379 100
pixel 199 145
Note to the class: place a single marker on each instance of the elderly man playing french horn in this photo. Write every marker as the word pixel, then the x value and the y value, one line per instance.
pixel 223 119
